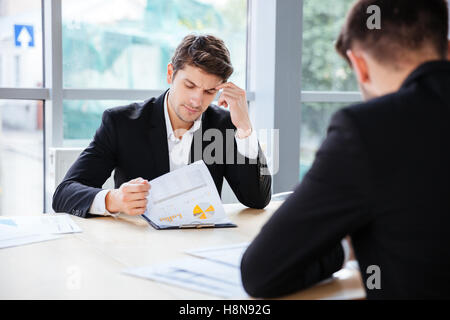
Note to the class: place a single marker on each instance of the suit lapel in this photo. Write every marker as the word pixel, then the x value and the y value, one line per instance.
pixel 158 138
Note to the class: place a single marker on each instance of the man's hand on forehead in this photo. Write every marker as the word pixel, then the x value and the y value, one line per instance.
pixel 235 99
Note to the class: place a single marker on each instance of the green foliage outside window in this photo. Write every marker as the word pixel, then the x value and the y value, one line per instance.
pixel 322 70
pixel 133 53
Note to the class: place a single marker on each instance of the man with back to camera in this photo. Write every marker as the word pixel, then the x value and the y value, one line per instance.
pixel 381 176
pixel 143 141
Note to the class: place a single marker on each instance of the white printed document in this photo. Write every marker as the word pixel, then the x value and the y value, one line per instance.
pixel 21 230
pixel 42 224
pixel 14 239
pixel 230 255
pixel 196 274
pixel 212 270
pixel 186 198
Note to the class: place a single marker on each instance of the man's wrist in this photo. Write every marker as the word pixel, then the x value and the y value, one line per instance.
pixel 244 132
pixel 110 202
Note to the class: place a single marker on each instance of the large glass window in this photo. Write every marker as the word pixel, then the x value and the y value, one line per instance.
pixel 106 44
pixel 322 68
pixel 20 43
pixel 315 120
pixel 21 121
pixel 122 44
pixel 128 44
pixel 82 118
pixel 21 157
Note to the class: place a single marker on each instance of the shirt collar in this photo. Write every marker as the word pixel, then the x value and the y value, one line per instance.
pixel 169 129
pixel 427 68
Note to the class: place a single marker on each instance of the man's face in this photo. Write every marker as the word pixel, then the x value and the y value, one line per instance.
pixel 192 90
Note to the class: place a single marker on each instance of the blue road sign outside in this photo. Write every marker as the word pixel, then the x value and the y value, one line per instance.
pixel 23 35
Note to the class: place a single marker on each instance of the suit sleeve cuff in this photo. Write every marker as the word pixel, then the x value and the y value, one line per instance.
pixel 98 206
pixel 248 147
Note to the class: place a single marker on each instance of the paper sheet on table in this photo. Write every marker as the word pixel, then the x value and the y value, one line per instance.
pixel 21 230
pixel 230 255
pixel 12 238
pixel 42 224
pixel 185 197
pixel 197 274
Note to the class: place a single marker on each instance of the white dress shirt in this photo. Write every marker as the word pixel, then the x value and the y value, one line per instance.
pixel 346 247
pixel 179 151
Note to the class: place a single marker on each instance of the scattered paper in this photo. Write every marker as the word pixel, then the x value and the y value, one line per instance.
pixel 26 239
pixel 217 272
pixel 20 230
pixel 60 224
pixel 197 274
pixel 230 255
pixel 212 270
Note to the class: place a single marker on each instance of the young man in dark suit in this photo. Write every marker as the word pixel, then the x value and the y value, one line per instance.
pixel 143 141
pixel 382 175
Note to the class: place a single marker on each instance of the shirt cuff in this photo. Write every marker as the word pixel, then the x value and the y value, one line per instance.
pixel 346 248
pixel 98 206
pixel 248 147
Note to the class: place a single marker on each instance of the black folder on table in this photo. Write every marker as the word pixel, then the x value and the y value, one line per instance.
pixel 190 226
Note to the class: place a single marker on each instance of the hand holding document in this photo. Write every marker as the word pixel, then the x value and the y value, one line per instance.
pixel 185 198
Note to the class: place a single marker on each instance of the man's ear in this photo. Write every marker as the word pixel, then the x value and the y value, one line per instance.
pixel 169 73
pixel 359 66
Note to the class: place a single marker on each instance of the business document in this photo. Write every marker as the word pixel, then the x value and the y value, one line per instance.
pixel 186 198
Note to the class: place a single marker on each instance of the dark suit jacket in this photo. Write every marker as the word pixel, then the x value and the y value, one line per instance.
pixel 381 176
pixel 133 141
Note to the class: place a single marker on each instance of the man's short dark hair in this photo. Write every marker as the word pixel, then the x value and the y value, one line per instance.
pixel 406 25
pixel 206 52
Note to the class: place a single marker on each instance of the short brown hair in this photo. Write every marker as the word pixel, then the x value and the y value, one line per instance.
pixel 405 25
pixel 206 52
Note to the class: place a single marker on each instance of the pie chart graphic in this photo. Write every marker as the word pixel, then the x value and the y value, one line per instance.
pixel 204 211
